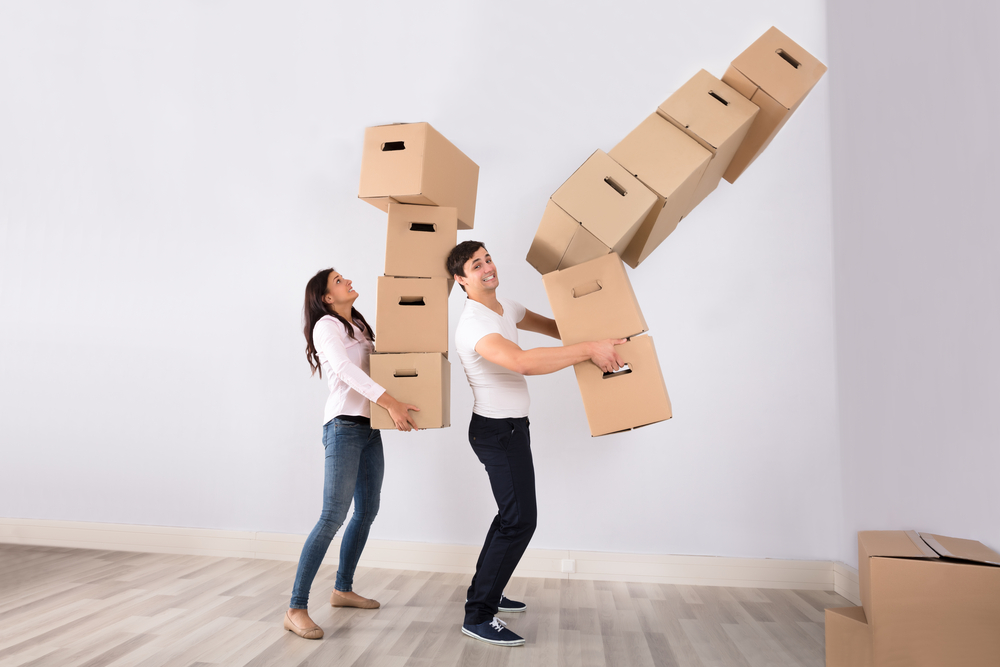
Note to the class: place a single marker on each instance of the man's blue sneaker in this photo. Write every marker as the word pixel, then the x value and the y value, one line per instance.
pixel 510 605
pixel 493 632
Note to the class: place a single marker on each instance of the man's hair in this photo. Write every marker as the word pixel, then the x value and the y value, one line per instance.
pixel 459 255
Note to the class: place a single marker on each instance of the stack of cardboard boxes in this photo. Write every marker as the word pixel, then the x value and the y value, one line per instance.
pixel 620 206
pixel 926 601
pixel 428 187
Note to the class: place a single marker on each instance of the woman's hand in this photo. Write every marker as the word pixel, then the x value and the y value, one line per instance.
pixel 400 412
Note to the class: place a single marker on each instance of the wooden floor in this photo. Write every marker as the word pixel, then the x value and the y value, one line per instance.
pixel 68 607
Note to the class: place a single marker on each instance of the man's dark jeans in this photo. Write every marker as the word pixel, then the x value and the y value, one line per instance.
pixel 504 447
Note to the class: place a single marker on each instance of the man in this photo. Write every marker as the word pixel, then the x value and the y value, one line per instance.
pixel 486 342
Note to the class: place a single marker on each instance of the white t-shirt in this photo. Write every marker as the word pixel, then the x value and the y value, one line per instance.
pixel 345 363
pixel 498 392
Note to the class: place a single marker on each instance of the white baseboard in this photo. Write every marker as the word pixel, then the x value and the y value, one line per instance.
pixel 845 582
pixel 684 570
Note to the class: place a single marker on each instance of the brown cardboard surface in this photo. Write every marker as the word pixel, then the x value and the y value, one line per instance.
pixel 763 64
pixel 606 199
pixel 560 242
pixel 594 301
pixel 672 165
pixel 848 638
pixel 419 239
pixel 954 547
pixel 624 401
pixel 402 324
pixel 423 380
pixel 714 115
pixel 932 612
pixel 888 543
pixel 769 80
pixel 413 163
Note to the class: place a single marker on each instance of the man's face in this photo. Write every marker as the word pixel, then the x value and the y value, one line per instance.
pixel 480 274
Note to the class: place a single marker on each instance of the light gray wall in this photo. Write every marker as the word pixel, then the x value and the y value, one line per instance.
pixel 172 173
pixel 914 115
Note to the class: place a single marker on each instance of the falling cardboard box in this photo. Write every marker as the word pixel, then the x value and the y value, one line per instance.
pixel 419 239
pixel 411 315
pixel 561 242
pixel 423 380
pixel 606 199
pixel 671 164
pixel 714 115
pixel 413 164
pixel 594 301
pixel 627 399
pixel 776 74
pixel 927 601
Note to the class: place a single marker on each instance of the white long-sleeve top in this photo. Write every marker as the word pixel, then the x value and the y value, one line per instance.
pixel 345 362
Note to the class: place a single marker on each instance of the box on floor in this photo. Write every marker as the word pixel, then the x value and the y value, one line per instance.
pixel 927 601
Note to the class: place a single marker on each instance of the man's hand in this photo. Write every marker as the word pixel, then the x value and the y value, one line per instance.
pixel 604 356
pixel 400 412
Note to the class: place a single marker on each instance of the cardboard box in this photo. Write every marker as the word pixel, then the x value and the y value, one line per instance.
pixel 561 242
pixel 671 164
pixel 411 315
pixel 606 199
pixel 412 163
pixel 714 115
pixel 419 239
pixel 848 638
pixel 930 600
pixel 776 74
pixel 594 301
pixel 621 401
pixel 423 380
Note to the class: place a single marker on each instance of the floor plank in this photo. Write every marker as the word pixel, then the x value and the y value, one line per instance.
pixel 84 608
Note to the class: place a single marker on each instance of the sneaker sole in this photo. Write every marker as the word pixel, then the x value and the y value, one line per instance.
pixel 513 642
pixel 512 611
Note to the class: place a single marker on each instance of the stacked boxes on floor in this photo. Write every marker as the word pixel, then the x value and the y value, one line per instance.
pixel 626 202
pixel 927 601
pixel 428 187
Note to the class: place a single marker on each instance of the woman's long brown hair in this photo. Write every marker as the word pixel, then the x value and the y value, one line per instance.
pixel 314 310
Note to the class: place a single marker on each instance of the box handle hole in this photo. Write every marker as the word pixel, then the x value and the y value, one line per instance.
pixel 411 300
pixel 614 184
pixel 393 146
pixel 788 59
pixel 624 370
pixel 405 373
pixel 716 96
pixel 588 288
pixel 423 227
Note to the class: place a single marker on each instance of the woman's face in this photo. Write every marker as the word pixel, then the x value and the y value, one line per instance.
pixel 339 291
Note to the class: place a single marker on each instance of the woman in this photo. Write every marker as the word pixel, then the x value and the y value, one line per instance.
pixel 339 341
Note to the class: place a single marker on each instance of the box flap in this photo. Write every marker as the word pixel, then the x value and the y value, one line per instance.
pixel 954 547
pixel 894 544
pixel 856 614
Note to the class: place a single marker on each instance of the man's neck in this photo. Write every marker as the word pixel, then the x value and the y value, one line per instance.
pixel 488 299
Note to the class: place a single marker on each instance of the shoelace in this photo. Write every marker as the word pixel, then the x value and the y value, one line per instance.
pixel 497 624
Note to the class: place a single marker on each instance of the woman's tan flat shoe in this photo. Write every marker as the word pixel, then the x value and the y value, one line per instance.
pixel 338 599
pixel 315 632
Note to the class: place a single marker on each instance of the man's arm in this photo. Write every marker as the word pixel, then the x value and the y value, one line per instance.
pixel 543 360
pixel 539 324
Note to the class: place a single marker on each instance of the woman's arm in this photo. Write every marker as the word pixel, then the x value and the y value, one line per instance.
pixel 329 337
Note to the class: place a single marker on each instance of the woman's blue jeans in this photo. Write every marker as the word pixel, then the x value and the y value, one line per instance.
pixel 354 469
